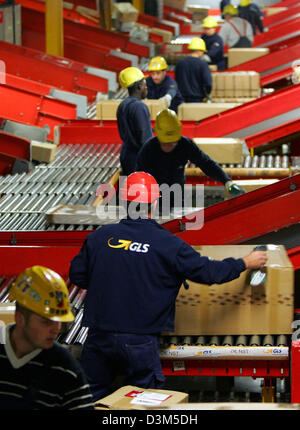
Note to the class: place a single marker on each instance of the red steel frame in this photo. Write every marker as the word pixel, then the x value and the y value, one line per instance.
pixel 270 20
pixel 32 66
pixel 34 109
pixel 277 31
pixel 269 106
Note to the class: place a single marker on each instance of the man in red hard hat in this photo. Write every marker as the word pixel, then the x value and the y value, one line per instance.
pixel 133 271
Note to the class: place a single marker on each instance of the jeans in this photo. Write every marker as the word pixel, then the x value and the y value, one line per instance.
pixel 105 355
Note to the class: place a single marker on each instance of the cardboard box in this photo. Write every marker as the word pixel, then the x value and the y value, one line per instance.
pixel 155 106
pixel 7 313
pixel 43 151
pixel 241 55
pixel 107 109
pixel 166 35
pixel 131 397
pixel 198 12
pixel 235 84
pixel 125 12
pixel 176 4
pixel 273 10
pixel 236 307
pixel 252 185
pixel 198 111
pixel 223 150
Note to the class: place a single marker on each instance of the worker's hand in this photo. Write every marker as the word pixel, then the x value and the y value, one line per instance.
pixel 256 260
pixel 168 98
pixel 234 189
pixel 208 99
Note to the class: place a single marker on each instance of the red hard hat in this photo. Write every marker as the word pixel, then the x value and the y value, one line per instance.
pixel 140 187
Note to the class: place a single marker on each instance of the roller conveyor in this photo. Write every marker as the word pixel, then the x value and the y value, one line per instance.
pixel 73 177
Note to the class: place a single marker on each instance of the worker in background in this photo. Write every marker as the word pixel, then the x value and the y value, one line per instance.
pixel 35 371
pixel 166 155
pixel 162 86
pixel 133 271
pixel 247 10
pixel 193 75
pixel 133 117
pixel 236 32
pixel 223 4
pixel 214 43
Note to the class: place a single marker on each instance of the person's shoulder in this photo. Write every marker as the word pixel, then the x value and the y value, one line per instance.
pixel 60 358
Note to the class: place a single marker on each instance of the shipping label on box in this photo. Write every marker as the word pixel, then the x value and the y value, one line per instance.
pixel 131 397
pixel 236 307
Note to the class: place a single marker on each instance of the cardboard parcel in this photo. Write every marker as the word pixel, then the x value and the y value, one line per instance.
pixel 131 397
pixel 236 307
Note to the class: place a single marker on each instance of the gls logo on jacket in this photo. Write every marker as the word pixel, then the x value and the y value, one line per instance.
pixel 129 245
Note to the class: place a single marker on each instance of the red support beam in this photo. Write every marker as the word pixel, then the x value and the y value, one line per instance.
pixel 276 18
pixel 15 146
pixel 238 118
pixel 222 222
pixel 31 65
pixel 38 110
pixel 289 29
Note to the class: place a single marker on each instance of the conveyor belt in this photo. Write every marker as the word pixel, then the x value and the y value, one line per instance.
pixel 73 177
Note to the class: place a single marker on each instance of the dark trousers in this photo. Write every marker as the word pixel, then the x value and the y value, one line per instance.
pixel 106 355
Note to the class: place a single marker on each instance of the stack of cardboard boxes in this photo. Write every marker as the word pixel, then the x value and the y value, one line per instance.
pixel 125 16
pixel 199 12
pixel 237 87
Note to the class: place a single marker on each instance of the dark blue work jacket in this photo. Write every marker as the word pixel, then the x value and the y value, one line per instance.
pixel 169 167
pixel 167 86
pixel 133 271
pixel 134 124
pixel 193 78
pixel 215 50
pixel 252 15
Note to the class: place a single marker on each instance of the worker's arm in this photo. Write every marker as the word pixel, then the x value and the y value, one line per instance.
pixel 78 272
pixel 206 79
pixel 141 123
pixel 204 270
pixel 210 167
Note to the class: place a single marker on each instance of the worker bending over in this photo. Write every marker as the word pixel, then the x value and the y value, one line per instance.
pixel 165 156
pixel 35 371
pixel 133 271
pixel 214 43
pixel 162 86
pixel 133 117
pixel 236 32
pixel 193 75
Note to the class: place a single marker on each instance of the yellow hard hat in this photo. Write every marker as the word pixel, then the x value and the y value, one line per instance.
pixel 129 76
pixel 157 63
pixel 44 292
pixel 209 22
pixel 244 3
pixel 167 126
pixel 230 10
pixel 197 44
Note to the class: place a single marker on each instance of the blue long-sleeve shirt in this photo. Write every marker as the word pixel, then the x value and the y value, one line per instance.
pixel 133 271
pixel 193 78
pixel 167 86
pixel 215 50
pixel 169 167
pixel 134 125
